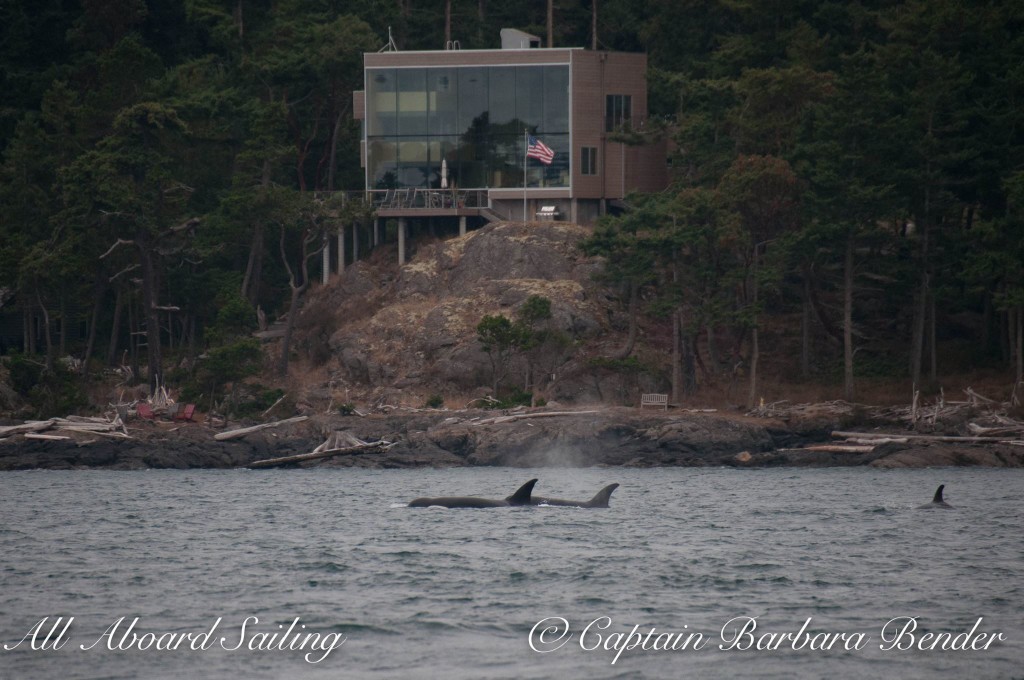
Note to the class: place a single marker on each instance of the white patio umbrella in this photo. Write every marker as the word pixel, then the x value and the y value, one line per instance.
pixel 444 173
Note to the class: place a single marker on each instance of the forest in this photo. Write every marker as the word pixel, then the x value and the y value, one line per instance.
pixel 847 176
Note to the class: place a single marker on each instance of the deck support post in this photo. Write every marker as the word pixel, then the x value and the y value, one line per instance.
pixel 341 248
pixel 401 241
pixel 325 260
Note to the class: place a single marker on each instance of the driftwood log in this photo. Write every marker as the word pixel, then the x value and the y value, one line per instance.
pixel 524 416
pixel 917 437
pixel 241 432
pixel 368 447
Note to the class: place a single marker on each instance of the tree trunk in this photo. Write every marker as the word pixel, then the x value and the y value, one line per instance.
pixel 713 359
pixel 333 162
pixel 293 309
pixel 90 343
pixel 151 316
pixel 447 23
pixel 932 349
pixel 848 317
pixel 63 351
pixel 239 23
pixel 917 341
pixel 986 324
pixel 551 23
pixel 254 267
pixel 250 282
pixel 115 328
pixel 593 24
pixel 481 16
pixel 1020 343
pixel 46 333
pixel 297 289
pixel 677 363
pixel 26 332
pixel 634 301
pixel 1005 335
pixel 192 341
pixel 133 338
pixel 755 347
pixel 690 357
pixel 805 327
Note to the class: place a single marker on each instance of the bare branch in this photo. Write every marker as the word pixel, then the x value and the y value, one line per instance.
pixel 123 271
pixel 178 186
pixel 284 259
pixel 120 242
pixel 190 223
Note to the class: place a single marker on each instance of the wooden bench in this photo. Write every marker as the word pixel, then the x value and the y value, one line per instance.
pixel 654 400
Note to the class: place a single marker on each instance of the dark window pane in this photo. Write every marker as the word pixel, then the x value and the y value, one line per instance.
pixel 556 174
pixel 505 160
pixel 502 100
pixel 530 96
pixel 556 99
pixel 382 164
pixel 618 111
pixel 381 103
pixel 443 101
pixel 412 101
pixel 413 167
pixel 588 160
pixel 472 94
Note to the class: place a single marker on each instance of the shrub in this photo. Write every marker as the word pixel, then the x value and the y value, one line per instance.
pixel 48 393
pixel 225 364
pixel 515 397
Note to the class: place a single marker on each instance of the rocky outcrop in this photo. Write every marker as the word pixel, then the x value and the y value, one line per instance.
pixel 610 437
pixel 416 330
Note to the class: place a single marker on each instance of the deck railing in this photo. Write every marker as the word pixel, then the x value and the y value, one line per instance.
pixel 414 197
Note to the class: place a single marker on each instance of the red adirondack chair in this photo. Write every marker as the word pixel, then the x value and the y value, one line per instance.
pixel 145 411
pixel 186 413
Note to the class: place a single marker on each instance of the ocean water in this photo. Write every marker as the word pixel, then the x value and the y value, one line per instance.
pixel 696 573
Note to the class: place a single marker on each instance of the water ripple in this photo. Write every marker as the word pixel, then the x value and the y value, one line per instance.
pixel 455 593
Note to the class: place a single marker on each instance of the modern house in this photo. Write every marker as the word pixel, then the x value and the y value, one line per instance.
pixel 445 132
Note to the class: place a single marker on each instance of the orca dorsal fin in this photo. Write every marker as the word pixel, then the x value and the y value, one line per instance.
pixel 601 498
pixel 938 494
pixel 523 494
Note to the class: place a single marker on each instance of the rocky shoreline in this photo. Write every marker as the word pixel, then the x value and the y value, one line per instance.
pixel 605 437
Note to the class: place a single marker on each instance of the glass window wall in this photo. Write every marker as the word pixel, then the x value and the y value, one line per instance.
pixel 473 119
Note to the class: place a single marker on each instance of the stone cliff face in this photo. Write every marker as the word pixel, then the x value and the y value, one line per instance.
pixel 417 329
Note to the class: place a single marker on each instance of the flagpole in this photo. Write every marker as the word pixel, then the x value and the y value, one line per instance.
pixel 526 150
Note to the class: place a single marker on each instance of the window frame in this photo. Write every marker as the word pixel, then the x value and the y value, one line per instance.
pixel 588 161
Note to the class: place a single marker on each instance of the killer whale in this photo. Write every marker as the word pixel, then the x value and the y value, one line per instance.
pixel 600 499
pixel 937 501
pixel 522 496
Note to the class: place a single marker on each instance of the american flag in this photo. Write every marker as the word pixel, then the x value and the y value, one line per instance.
pixel 539 150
